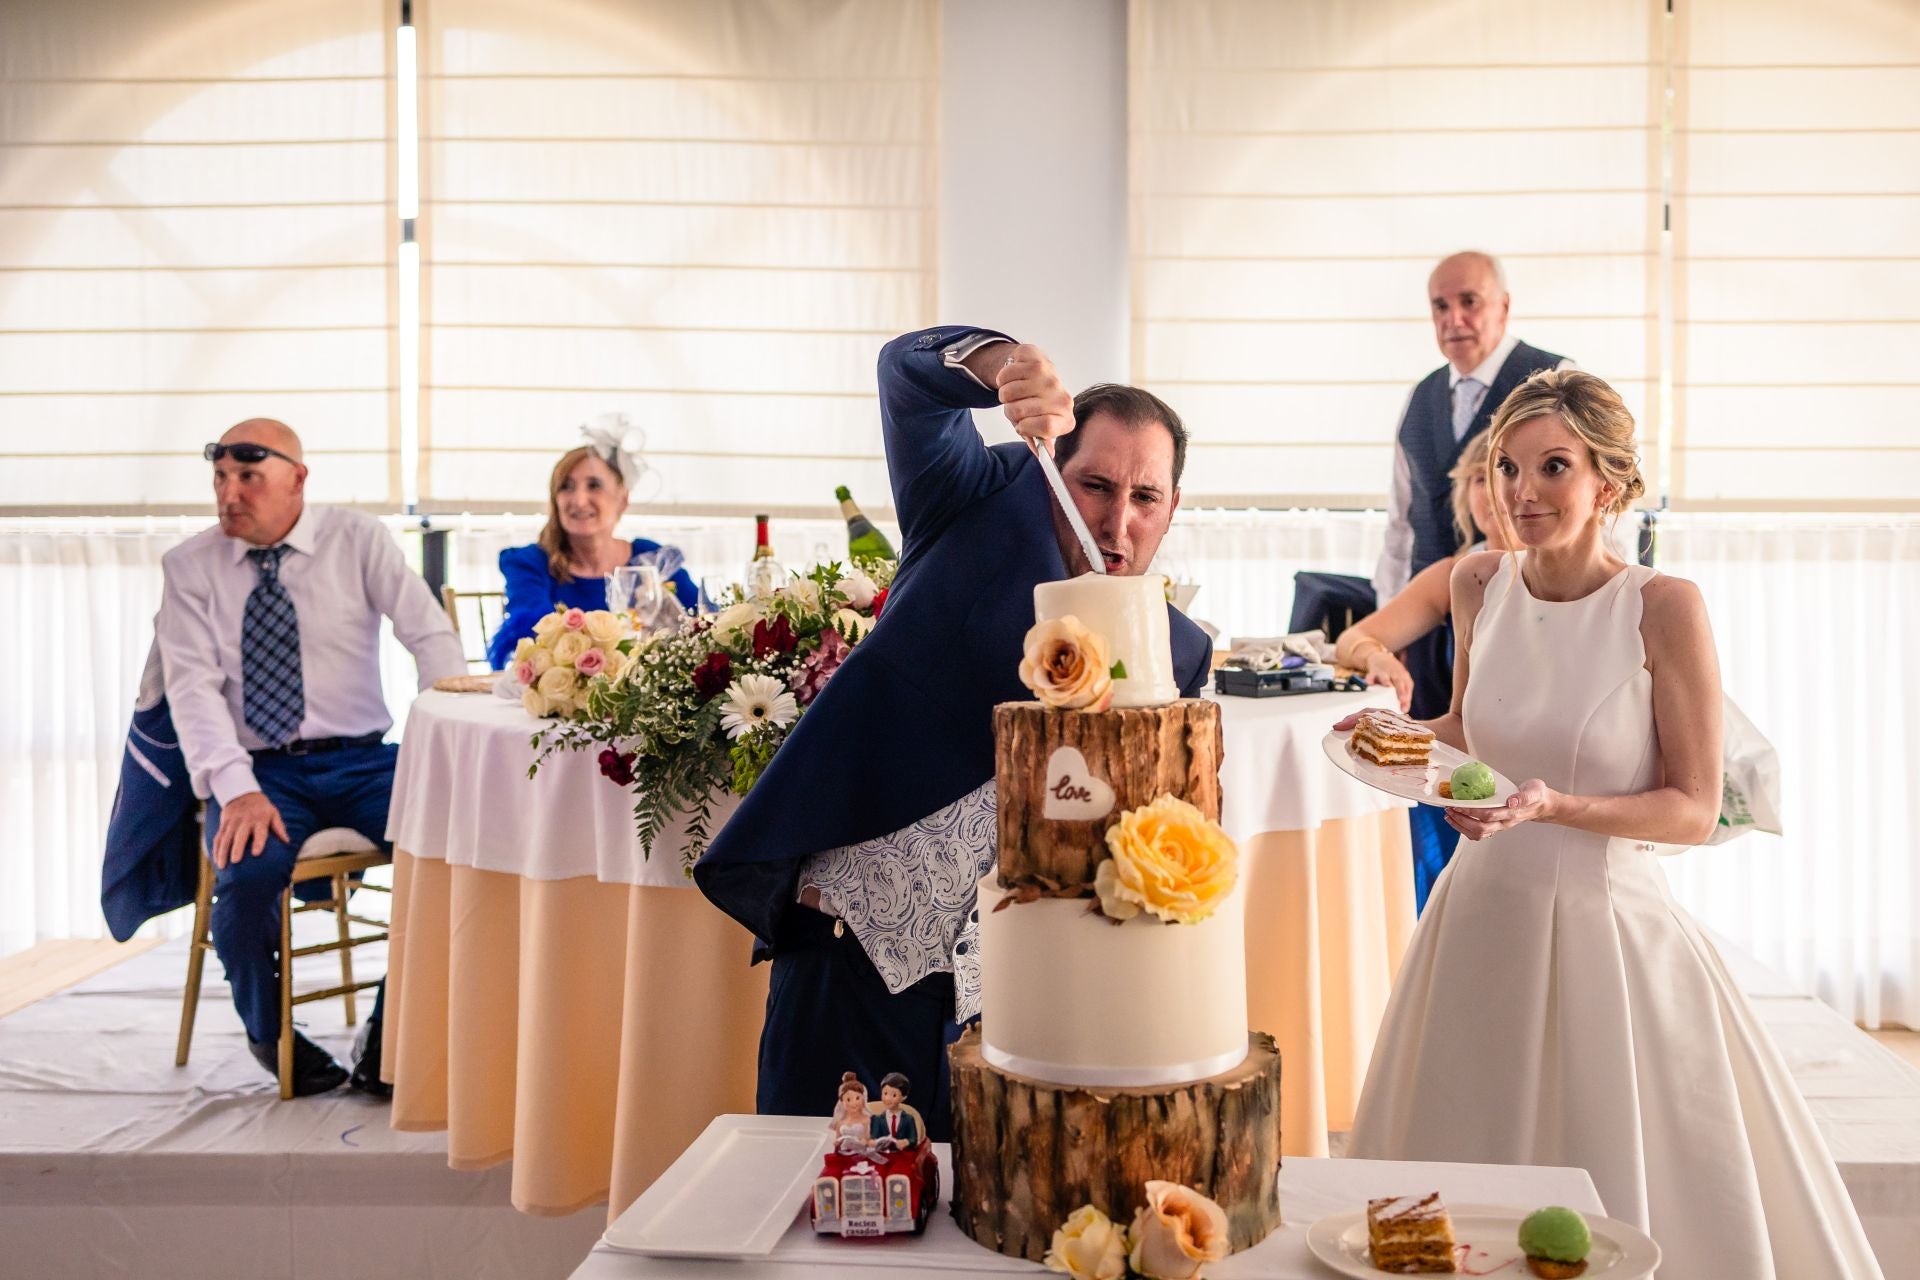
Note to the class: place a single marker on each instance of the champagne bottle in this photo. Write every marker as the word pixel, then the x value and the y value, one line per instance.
pixel 863 539
pixel 764 573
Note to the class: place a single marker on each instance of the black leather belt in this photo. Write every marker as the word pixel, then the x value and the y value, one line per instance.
pixel 314 746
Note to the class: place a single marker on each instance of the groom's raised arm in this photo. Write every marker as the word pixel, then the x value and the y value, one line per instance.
pixel 937 462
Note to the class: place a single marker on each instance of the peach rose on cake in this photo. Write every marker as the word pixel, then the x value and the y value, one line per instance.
pixel 1089 1246
pixel 1167 859
pixel 1068 666
pixel 570 646
pixel 1175 1232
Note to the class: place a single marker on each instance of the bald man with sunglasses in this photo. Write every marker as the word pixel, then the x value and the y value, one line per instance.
pixel 269 636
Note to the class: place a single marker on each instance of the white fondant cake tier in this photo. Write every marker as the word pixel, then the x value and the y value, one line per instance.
pixel 1070 997
pixel 1131 615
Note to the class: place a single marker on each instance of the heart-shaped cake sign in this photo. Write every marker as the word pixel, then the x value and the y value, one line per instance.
pixel 1073 793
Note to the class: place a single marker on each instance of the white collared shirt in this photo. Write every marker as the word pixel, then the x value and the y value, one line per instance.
pixel 344 574
pixel 1396 558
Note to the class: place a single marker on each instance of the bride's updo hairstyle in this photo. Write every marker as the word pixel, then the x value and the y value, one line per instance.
pixel 1593 411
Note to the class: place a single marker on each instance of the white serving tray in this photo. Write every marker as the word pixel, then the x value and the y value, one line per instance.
pixel 733 1193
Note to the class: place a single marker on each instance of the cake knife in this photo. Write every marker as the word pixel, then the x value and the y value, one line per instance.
pixel 1059 487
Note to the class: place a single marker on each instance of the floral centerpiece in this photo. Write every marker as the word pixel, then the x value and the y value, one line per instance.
pixel 702 710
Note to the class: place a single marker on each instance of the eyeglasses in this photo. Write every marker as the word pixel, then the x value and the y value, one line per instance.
pixel 244 452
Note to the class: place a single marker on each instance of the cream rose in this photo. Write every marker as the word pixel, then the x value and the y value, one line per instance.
pixel 852 625
pixel 524 650
pixel 536 703
pixel 858 588
pixel 540 658
pixel 604 627
pixel 1067 666
pixel 557 683
pixel 1089 1246
pixel 617 662
pixel 1169 859
pixel 570 646
pixel 550 626
pixel 806 593
pixel 731 621
pixel 1175 1232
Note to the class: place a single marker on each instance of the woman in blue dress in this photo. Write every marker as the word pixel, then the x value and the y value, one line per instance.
pixel 569 561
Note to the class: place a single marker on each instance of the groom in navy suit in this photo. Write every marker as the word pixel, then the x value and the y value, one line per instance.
pixel 981 529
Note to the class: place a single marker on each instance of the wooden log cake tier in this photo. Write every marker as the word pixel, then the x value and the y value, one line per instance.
pixel 1064 777
pixel 1027 1153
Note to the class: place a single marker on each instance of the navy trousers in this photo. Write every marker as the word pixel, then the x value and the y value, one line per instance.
pixel 829 1012
pixel 1433 845
pixel 346 788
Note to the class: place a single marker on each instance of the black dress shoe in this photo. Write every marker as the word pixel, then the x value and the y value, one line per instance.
pixel 366 1063
pixel 314 1070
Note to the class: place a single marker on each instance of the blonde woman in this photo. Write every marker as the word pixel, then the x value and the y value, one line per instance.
pixel 1556 1006
pixel 1372 644
pixel 586 498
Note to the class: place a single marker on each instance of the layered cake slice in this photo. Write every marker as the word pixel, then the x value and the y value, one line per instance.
pixel 1388 738
pixel 1410 1234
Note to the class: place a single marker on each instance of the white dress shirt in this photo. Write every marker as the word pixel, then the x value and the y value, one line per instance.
pixel 344 574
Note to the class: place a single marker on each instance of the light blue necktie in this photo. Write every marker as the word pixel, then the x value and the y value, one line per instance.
pixel 272 695
pixel 1467 395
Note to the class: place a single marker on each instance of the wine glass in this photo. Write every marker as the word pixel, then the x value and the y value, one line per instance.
pixel 635 590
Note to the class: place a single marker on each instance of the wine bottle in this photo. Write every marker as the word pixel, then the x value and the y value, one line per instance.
pixel 764 573
pixel 864 541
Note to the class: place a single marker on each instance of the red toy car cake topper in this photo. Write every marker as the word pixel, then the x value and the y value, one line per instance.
pixel 881 1176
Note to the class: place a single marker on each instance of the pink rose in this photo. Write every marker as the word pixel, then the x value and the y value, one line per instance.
pixel 575 619
pixel 523 671
pixel 590 663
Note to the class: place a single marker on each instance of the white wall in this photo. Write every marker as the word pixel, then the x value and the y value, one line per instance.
pixel 1033 197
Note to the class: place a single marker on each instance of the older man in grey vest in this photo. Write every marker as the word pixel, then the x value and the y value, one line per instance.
pixel 1451 405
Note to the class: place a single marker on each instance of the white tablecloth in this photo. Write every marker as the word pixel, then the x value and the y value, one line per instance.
pixel 461 793
pixel 1275 776
pixel 1310 1189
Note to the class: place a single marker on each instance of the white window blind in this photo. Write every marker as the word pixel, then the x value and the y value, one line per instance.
pixel 1797 255
pixel 708 216
pixel 193 230
pixel 1297 169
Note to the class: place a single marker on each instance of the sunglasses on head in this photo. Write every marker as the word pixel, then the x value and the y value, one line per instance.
pixel 244 452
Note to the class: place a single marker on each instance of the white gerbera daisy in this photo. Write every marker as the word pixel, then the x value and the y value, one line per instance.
pixel 756 700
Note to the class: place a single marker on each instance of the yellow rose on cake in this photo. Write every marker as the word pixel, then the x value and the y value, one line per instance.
pixel 1175 1232
pixel 1166 858
pixel 1068 666
pixel 1089 1246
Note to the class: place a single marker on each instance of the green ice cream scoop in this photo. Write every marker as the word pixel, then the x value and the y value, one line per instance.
pixel 1557 1234
pixel 1472 781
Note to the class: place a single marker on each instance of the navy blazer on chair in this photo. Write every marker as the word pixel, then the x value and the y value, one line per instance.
pixel 905 726
pixel 152 862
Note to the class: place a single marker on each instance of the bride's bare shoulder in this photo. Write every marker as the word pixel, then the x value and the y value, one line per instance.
pixel 1673 612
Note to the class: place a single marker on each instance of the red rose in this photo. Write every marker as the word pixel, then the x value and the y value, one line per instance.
pixel 713 676
pixel 778 638
pixel 617 766
pixel 879 602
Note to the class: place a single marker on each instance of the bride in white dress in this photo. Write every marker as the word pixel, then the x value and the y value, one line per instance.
pixel 1556 1006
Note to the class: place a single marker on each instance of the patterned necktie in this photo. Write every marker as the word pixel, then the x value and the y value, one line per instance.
pixel 271 693
pixel 1467 395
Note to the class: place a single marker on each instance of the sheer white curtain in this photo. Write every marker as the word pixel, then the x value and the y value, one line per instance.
pixel 1817 618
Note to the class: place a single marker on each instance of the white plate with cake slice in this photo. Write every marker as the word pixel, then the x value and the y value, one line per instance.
pixel 1487 1242
pixel 1419 782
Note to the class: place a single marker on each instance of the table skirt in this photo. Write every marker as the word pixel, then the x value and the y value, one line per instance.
pixel 1329 914
pixel 594 1031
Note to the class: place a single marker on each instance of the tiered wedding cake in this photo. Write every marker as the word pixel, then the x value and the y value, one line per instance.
pixel 1113 1046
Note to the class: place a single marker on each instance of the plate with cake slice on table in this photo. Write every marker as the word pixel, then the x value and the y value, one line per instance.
pixel 1419 1235
pixel 1402 757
